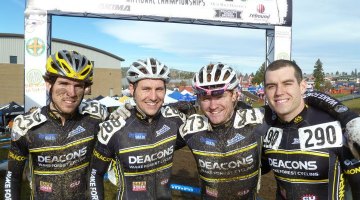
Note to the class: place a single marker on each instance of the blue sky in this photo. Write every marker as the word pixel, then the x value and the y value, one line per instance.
pixel 325 29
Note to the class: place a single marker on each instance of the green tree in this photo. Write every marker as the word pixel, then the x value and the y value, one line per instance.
pixel 319 75
pixel 259 75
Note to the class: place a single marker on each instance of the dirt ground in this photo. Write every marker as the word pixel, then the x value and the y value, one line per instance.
pixel 185 173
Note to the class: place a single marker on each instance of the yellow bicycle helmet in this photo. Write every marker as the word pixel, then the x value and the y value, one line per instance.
pixel 70 64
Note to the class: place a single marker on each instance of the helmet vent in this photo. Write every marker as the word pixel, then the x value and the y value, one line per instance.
pixel 77 63
pixel 85 72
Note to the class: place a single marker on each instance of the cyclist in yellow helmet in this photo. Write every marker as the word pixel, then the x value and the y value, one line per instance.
pixel 58 138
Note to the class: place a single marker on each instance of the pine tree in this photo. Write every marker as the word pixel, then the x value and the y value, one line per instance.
pixel 318 74
pixel 259 75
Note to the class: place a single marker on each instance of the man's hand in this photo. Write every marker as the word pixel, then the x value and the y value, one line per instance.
pixel 122 111
pixel 353 133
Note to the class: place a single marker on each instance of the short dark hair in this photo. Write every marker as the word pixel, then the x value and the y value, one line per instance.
pixel 277 64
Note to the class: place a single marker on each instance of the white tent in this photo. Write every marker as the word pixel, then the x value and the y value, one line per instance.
pixel 169 100
pixel 109 102
pixel 186 92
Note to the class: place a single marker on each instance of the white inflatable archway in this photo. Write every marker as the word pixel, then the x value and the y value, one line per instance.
pixel 273 16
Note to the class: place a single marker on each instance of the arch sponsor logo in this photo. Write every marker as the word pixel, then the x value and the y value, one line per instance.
pixel 260 8
pixel 34 77
pixel 35 46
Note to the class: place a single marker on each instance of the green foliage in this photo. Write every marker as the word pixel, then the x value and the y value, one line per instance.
pixel 259 75
pixel 319 75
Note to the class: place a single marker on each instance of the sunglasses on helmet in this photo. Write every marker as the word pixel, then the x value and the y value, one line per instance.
pixel 211 92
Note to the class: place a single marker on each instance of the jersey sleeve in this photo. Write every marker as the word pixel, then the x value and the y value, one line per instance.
pixel 18 154
pixel 179 118
pixel 102 156
pixel 100 162
pixel 351 168
pixel 330 105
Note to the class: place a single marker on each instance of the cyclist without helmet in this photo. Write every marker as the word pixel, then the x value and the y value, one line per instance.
pixel 144 144
pixel 57 139
pixel 304 146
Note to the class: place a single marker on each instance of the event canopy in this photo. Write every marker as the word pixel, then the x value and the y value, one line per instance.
pixel 110 102
pixel 11 109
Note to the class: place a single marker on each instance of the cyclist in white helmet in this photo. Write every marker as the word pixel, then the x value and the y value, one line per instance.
pixel 226 150
pixel 143 145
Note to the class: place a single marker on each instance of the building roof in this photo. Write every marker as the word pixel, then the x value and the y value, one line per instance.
pixel 21 36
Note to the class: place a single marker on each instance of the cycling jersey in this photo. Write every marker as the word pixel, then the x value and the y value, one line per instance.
pixel 227 156
pixel 58 155
pixel 308 157
pixel 143 150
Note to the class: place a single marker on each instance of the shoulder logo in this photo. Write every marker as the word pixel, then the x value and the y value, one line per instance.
pixel 76 131
pixel 237 138
pixel 163 130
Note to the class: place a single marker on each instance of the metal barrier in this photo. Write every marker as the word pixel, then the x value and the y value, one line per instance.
pixel 349 97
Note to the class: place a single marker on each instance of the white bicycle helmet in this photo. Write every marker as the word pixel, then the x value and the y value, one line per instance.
pixel 148 69
pixel 214 76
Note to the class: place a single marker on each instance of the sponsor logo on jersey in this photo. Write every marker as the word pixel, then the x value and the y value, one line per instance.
pixel 342 187
pixel 47 136
pixel 8 186
pixel 101 157
pixel 237 138
pixel 75 184
pixel 152 157
pixel 16 157
pixel 93 192
pixel 163 130
pixel 208 141
pixel 226 165
pixel 164 181
pixel 243 192
pixel 309 197
pixel 293 164
pixel 137 136
pixel 351 162
pixel 353 171
pixel 211 191
pixel 341 108
pixel 63 158
pixel 76 131
pixel 139 186
pixel 45 186
pixel 296 141
pixel 298 119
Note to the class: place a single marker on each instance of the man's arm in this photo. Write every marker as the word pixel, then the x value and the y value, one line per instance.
pixel 99 165
pixel 348 119
pixel 17 157
pixel 102 155
pixel 330 105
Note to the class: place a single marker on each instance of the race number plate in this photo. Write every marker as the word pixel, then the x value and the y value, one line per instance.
pixel 326 135
pixel 273 138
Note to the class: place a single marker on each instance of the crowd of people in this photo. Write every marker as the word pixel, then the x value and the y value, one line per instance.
pixel 311 144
